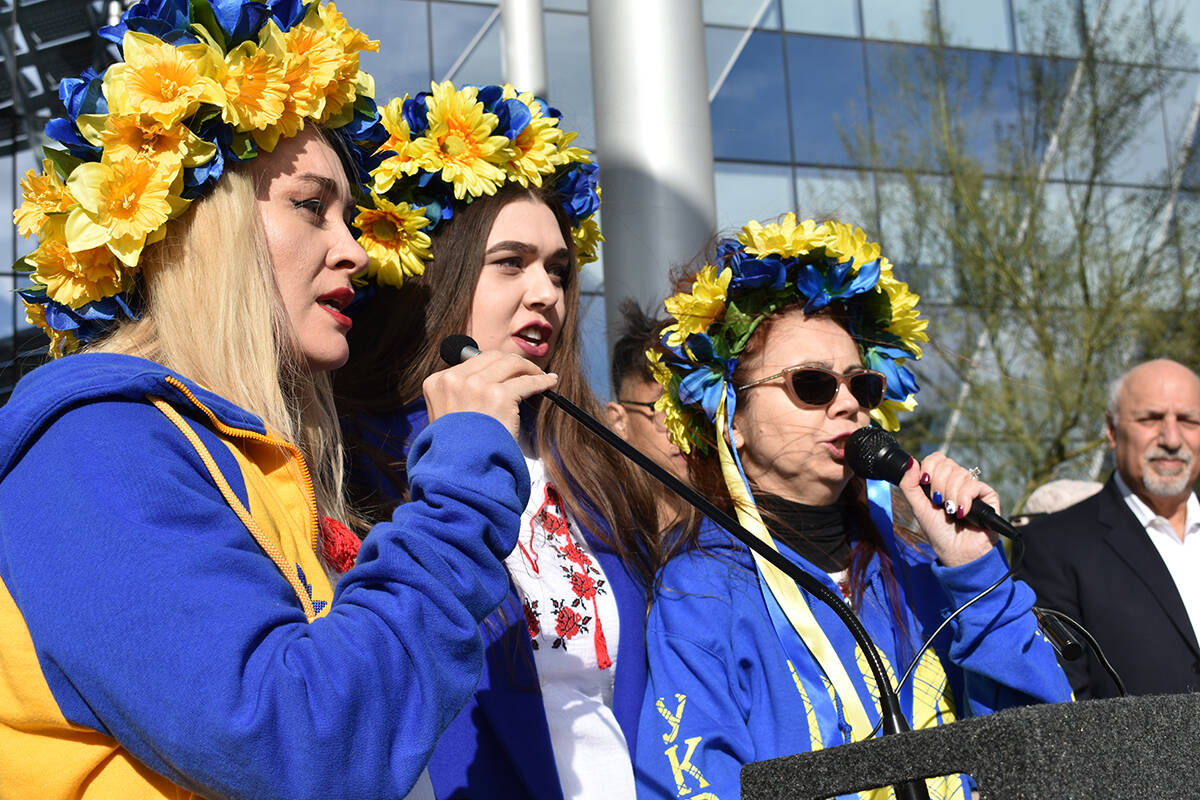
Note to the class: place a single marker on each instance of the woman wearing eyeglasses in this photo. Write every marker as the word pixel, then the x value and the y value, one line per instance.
pixel 794 336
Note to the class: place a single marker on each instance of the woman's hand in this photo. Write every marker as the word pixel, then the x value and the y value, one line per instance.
pixel 491 383
pixel 951 491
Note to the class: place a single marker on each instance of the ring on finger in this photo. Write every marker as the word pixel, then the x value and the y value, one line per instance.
pixel 975 472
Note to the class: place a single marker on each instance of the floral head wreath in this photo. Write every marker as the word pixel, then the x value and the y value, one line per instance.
pixel 765 269
pixel 449 147
pixel 201 84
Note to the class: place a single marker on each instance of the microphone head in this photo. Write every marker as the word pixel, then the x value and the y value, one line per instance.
pixel 457 348
pixel 875 454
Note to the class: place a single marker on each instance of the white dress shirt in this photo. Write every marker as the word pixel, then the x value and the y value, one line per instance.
pixel 1181 557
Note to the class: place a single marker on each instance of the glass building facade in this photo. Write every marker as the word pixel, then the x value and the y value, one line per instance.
pixel 817 105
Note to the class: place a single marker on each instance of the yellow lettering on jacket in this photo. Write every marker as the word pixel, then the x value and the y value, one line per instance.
pixel 678 768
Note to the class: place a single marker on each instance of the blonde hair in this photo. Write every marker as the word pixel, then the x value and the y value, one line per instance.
pixel 210 310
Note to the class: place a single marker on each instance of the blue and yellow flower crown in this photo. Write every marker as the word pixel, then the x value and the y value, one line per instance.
pixel 202 84
pixel 765 269
pixel 451 146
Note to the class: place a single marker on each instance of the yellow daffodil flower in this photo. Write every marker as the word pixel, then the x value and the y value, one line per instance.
pixel 44 194
pixel 73 278
pixel 121 204
pixel 254 85
pixel 787 237
pixel 139 136
pixel 165 82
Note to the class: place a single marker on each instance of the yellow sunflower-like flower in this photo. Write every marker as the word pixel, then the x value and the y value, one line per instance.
pixel 61 342
pixel 676 420
pixel 393 236
pixel 587 238
pixel 695 311
pixel 535 151
pixel 73 278
pixel 253 81
pixel 399 138
pixel 122 205
pixel 43 194
pixel 887 415
pixel 787 237
pixel 165 82
pixel 460 144
pixel 846 241
pixel 570 155
pixel 125 136
pixel 906 319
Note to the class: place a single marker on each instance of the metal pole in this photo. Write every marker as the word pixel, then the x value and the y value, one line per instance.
pixel 523 45
pixel 654 139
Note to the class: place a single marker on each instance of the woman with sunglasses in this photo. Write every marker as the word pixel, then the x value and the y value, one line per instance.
pixel 792 338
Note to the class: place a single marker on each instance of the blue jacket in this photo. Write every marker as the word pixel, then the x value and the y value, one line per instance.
pixel 157 634
pixel 722 694
pixel 499 745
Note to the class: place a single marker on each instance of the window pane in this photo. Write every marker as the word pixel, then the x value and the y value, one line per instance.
pixel 1047 27
pixel 569 74
pixel 833 17
pixel 749 117
pixel 742 13
pixel 975 23
pixel 841 194
pixel 1178 22
pixel 901 20
pixel 566 5
pixel 455 27
pixel 750 191
pixel 827 112
pixel 1177 107
pixel 402 26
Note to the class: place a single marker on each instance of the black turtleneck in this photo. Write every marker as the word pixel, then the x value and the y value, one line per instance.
pixel 817 533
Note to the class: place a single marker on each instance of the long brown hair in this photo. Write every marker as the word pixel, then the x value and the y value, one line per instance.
pixel 395 344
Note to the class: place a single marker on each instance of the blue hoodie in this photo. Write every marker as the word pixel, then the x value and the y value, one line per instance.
pixel 149 640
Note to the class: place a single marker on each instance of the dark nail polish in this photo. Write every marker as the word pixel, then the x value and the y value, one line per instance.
pixel 908 466
pixel 937 498
pixel 925 479
pixel 962 512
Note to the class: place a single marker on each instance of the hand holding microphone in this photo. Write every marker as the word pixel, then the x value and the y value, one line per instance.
pixel 955 498
pixel 489 383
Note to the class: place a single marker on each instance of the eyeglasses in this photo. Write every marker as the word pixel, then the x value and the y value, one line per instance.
pixel 815 387
pixel 659 418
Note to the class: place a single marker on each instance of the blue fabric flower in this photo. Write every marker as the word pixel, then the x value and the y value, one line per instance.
pixel 753 273
pixel 578 188
pixel 836 283
pixel 703 375
pixel 165 19
pixel 415 113
pixel 900 382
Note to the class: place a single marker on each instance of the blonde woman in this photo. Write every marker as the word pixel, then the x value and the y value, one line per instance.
pixel 171 518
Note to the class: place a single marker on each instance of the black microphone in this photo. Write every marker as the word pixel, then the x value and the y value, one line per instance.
pixel 875 454
pixel 457 348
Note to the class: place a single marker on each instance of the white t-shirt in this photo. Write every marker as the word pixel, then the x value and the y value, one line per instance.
pixel 571 615
pixel 1181 557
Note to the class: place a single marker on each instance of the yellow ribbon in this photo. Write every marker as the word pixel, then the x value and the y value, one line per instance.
pixel 785 590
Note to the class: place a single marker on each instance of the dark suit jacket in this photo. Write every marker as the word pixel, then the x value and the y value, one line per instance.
pixel 1095 562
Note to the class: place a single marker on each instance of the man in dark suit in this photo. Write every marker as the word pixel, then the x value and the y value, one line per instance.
pixel 1126 562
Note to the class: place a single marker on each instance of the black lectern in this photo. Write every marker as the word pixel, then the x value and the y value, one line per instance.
pixel 1119 748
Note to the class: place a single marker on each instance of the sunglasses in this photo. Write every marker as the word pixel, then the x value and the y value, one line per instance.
pixel 815 387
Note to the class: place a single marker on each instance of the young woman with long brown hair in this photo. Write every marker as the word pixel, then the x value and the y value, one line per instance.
pixel 556 711
pixel 790 339
pixel 170 494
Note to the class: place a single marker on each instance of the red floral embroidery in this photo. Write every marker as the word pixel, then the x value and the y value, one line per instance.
pixel 583 585
pixel 339 545
pixel 583 574
pixel 532 622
